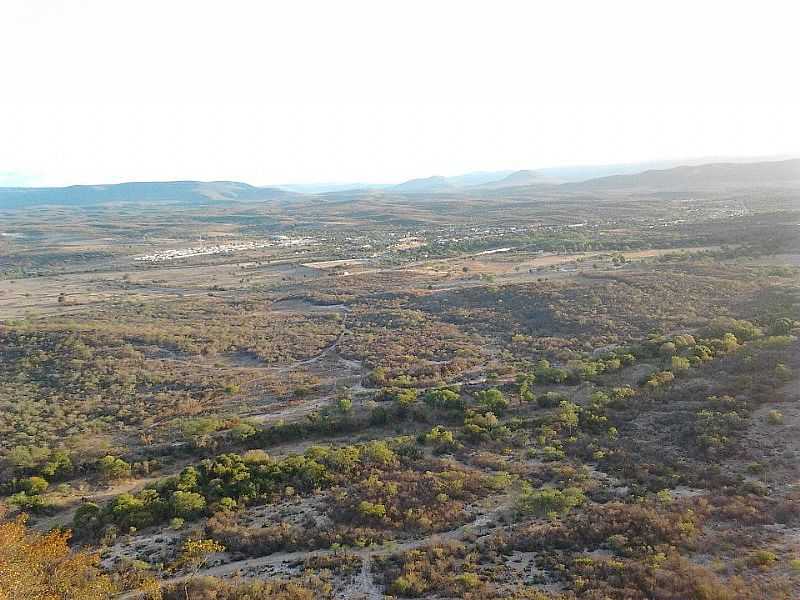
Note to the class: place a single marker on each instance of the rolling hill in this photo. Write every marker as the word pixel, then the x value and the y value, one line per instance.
pixel 716 176
pixel 784 174
pixel 437 183
pixel 192 192
pixel 519 178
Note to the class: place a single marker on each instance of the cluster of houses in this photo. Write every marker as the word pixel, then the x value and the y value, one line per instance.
pixel 222 248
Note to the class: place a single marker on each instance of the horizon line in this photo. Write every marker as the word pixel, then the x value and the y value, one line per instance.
pixel 587 165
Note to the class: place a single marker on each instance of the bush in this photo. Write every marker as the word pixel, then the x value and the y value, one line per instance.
pixel 678 364
pixel 660 379
pixel 781 326
pixel 112 467
pixel 775 417
pixel 29 502
pixel 36 565
pixel 549 501
pixel 444 398
pixel 187 504
pixel 550 399
pixel 743 330
pixel 440 438
pixel 34 485
pixel 242 431
pixel 782 372
pixel 762 559
pixel 372 510
pixel 410 585
pixel 492 399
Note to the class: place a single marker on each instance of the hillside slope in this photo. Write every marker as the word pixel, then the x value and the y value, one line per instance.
pixel 166 191
pixel 785 173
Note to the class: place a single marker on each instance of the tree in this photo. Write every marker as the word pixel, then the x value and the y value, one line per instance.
pixel 775 417
pixel 568 415
pixel 441 439
pixel 242 431
pixel 59 463
pixel 550 399
pixel 444 398
pixel 28 502
pixel 87 519
pixel 547 374
pixel 187 504
pixel 27 457
pixel 344 404
pixel 525 387
pixel 188 479
pixel 226 504
pixel 42 566
pixel 782 372
pixel 478 427
pixel 372 510
pixel 742 330
pixel 35 485
pixel 678 364
pixel 549 501
pixel 112 467
pixel 378 452
pixel 198 431
pixel 192 557
pixel 667 349
pixel 781 326
pixel 492 399
pixel 660 379
pixel 729 342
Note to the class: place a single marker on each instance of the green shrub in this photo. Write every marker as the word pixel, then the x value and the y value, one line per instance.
pixel 549 501
pixel 775 417
pixel 112 467
pixel 762 558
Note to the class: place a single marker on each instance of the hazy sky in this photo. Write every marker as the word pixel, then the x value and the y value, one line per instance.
pixel 288 91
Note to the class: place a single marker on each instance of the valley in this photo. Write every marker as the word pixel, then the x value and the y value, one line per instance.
pixel 543 392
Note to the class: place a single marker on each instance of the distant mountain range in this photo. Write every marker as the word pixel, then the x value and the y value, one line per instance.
pixel 718 176
pixel 150 192
pixel 520 178
pixel 419 185
pixel 715 176
pixel 437 183
pixel 488 180
pixel 549 176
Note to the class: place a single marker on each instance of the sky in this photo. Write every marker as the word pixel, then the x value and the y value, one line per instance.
pixel 94 91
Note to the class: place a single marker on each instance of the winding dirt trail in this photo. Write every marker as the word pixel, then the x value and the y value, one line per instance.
pixel 364 587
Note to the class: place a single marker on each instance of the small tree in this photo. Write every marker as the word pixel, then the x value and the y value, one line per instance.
pixel 193 556
pixel 492 399
pixel 679 364
pixel 344 404
pixel 35 485
pixel 242 431
pixel 549 502
pixel 568 415
pixel 112 468
pixel 525 387
pixel 441 439
pixel 187 504
pixel 775 417
pixel 36 565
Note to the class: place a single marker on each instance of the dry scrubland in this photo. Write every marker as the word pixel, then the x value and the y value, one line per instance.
pixel 364 398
